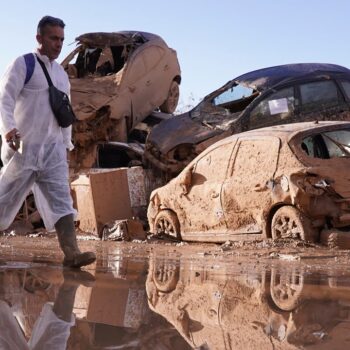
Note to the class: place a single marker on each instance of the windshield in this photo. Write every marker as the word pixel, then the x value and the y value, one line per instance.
pixel 234 93
pixel 222 110
pixel 331 144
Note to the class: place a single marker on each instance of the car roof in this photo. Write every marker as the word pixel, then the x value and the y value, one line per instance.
pixel 263 79
pixel 102 39
pixel 287 131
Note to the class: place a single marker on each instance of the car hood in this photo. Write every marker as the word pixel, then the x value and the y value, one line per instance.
pixel 179 130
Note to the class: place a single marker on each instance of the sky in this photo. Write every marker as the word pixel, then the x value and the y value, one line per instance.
pixel 215 40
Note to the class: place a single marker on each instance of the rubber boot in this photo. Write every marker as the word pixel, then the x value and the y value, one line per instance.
pixel 63 306
pixel 73 257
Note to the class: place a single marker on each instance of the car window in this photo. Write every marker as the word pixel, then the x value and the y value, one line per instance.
pixel 213 166
pixel 316 93
pixel 327 145
pixel 346 87
pixel 234 93
pixel 276 107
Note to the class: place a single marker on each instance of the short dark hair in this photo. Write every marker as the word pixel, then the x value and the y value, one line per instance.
pixel 49 21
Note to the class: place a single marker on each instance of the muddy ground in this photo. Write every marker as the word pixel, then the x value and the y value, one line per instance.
pixel 167 295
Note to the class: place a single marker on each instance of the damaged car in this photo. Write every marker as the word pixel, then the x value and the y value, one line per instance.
pixel 117 79
pixel 288 181
pixel 271 96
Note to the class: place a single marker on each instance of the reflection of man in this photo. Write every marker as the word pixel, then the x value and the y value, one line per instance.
pixel 34 154
pixel 52 328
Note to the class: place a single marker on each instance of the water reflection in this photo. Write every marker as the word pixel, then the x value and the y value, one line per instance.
pixel 36 307
pixel 277 308
pixel 130 302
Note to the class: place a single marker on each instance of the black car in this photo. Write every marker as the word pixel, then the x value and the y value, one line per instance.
pixel 265 97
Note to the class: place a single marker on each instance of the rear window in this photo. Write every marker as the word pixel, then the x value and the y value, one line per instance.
pixel 332 144
pixel 319 92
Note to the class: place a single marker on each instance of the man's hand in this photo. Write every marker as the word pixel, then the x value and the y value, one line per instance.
pixel 13 139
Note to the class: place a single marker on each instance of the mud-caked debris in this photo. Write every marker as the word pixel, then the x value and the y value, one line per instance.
pixel 124 230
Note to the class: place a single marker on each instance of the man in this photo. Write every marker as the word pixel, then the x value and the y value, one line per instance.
pixel 34 148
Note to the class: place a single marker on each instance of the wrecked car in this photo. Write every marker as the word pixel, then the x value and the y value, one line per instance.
pixel 287 181
pixel 117 80
pixel 271 96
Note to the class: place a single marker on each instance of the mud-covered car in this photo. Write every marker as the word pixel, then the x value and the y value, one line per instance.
pixel 271 96
pixel 117 80
pixel 286 181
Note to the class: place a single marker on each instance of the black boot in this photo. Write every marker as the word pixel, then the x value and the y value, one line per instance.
pixel 73 257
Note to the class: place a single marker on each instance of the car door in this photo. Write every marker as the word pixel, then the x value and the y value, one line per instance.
pixel 321 100
pixel 246 192
pixel 201 206
pixel 280 107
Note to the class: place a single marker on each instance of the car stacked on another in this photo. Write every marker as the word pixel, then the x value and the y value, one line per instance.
pixel 271 96
pixel 286 181
pixel 117 80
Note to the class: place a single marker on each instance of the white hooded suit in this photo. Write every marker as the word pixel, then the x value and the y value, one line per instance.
pixel 41 163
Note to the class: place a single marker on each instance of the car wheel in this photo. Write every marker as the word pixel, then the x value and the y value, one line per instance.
pixel 286 289
pixel 167 223
pixel 289 222
pixel 165 276
pixel 170 103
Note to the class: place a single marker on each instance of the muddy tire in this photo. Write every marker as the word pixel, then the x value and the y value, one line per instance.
pixel 167 224
pixel 286 289
pixel 171 101
pixel 289 222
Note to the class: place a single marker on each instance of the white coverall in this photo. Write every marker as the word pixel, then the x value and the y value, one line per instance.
pixel 49 331
pixel 41 163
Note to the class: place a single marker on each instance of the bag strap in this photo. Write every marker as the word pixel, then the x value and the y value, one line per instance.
pixel 45 70
pixel 30 65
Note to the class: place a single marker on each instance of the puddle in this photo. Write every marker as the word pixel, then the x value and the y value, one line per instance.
pixel 154 299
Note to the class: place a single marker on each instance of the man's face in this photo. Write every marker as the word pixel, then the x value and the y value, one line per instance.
pixel 51 41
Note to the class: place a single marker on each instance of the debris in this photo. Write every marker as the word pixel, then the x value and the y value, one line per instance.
pixel 34 235
pixel 320 334
pixel 123 230
pixel 106 195
pixel 288 257
pixel 181 244
pixel 334 238
pixel 226 246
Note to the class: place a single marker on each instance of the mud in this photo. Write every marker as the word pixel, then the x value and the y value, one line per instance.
pixel 162 294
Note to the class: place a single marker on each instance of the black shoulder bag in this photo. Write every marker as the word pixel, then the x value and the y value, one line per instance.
pixel 59 102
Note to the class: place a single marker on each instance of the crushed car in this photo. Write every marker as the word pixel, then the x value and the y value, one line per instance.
pixel 117 79
pixel 271 96
pixel 281 182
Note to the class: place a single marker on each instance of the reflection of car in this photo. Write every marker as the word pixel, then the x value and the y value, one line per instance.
pixel 270 96
pixel 117 80
pixel 285 181
pixel 225 310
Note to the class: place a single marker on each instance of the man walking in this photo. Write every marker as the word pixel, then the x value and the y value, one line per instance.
pixel 34 146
